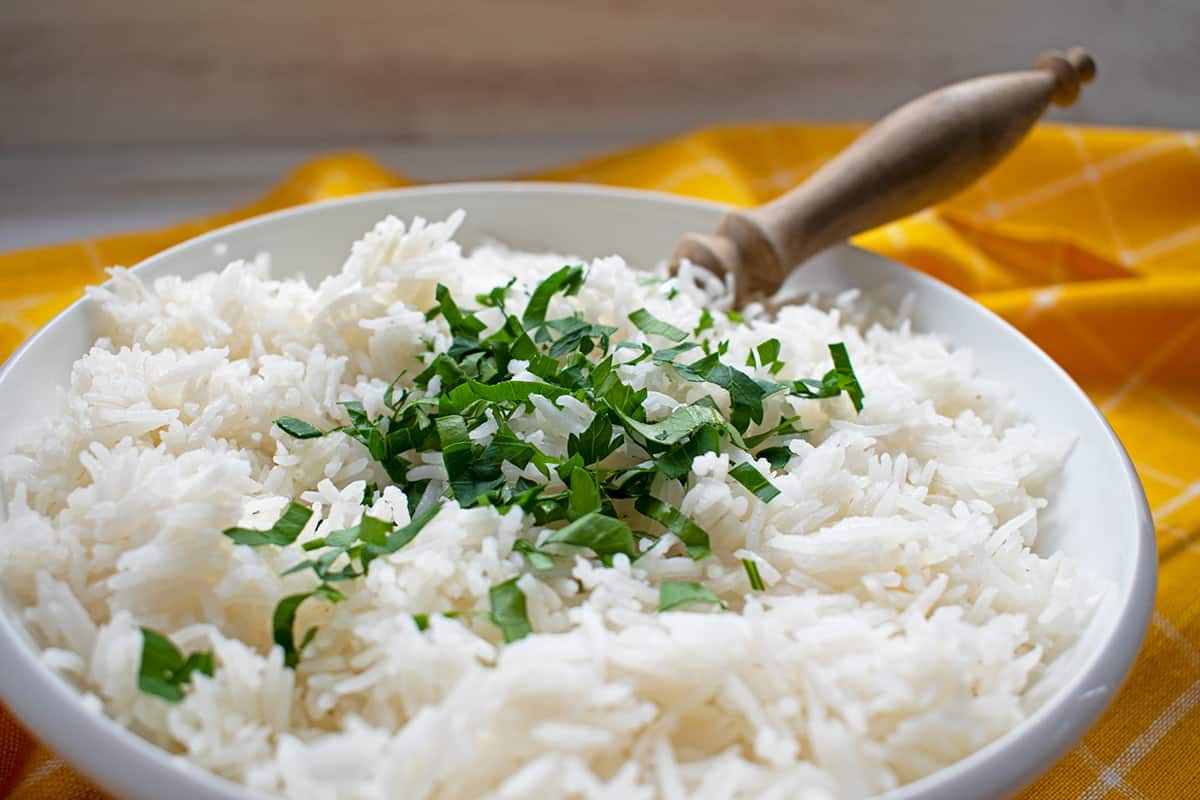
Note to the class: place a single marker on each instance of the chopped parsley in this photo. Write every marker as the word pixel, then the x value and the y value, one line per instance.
pixel 284 620
pixel 603 535
pixel 283 532
pixel 651 326
pixel 766 355
pixel 163 671
pixel 673 594
pixel 567 280
pixel 752 479
pixel 839 379
pixel 584 500
pixel 843 371
pixel 777 457
pixel 756 581
pixel 422 620
pixel 540 560
pixel 298 428
pixel 596 442
pixel 508 610
pixel 692 535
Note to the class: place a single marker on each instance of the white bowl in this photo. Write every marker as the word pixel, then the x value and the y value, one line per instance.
pixel 1099 517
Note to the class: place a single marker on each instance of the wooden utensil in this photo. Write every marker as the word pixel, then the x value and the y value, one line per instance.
pixel 920 154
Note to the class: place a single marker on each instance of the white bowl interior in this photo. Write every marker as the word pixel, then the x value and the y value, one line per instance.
pixel 1099 516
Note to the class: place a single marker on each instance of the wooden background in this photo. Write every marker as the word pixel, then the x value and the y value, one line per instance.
pixel 124 113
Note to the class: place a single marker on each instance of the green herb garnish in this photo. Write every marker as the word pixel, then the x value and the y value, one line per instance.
pixel 692 535
pixel 682 423
pixel 567 280
pixel 648 324
pixel 596 442
pixel 163 671
pixel 785 427
pixel 756 581
pixel 746 394
pixel 845 374
pixel 839 379
pixel 298 428
pixel 422 620
pixel 585 499
pixel 283 532
pixel 469 384
pixel 752 479
pixel 766 355
pixel 538 559
pixel 603 535
pixel 508 610
pixel 673 594
pixel 284 620
pixel 777 457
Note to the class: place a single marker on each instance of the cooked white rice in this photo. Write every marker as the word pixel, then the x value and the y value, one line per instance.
pixel 905 619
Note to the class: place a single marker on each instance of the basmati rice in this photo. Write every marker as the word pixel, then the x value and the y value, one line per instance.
pixel 904 621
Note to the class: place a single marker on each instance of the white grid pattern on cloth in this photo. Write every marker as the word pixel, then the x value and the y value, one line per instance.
pixel 785 178
pixel 1177 502
pixel 10 312
pixel 782 178
pixel 23 326
pixel 1042 300
pixel 1106 774
pixel 1144 742
pixel 1187 414
pixel 1093 342
pixel 930 217
pixel 1180 535
pixel 46 769
pixel 1106 167
pixel 706 164
pixel 1160 356
pixel 1091 177
pixel 1162 477
pixel 1166 244
pixel 699 169
pixel 89 247
pixel 1169 630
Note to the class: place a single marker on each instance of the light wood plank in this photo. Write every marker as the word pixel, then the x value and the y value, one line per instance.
pixel 304 71
pixel 55 195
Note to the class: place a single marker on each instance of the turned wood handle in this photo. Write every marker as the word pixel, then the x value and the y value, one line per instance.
pixel 920 154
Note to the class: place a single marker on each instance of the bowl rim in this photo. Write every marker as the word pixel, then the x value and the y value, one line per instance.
pixel 101 748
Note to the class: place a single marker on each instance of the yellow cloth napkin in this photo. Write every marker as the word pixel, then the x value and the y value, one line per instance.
pixel 1086 239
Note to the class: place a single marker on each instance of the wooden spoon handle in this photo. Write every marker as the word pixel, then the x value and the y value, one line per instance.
pixel 920 154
